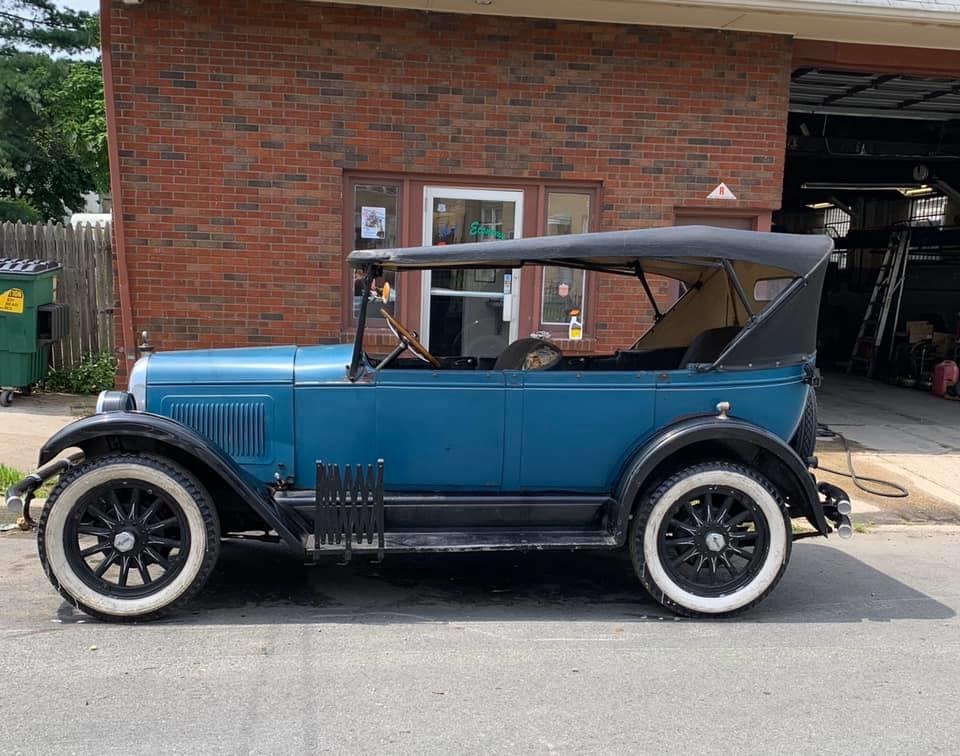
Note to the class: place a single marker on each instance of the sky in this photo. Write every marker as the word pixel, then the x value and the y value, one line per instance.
pixel 86 5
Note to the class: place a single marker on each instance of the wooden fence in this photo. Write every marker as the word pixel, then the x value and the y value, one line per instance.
pixel 85 283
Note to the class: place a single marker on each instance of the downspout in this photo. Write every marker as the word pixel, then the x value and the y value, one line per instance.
pixel 113 154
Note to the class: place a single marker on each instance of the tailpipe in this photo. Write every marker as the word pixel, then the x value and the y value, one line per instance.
pixel 844 527
pixel 837 508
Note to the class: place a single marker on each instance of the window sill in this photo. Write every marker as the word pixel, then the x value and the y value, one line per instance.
pixel 586 344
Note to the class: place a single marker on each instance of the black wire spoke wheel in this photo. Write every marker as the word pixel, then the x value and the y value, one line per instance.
pixel 710 540
pixel 127 538
pixel 713 540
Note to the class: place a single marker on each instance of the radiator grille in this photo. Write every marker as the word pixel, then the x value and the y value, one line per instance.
pixel 237 427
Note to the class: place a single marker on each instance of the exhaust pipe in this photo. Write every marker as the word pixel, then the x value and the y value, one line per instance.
pixel 845 527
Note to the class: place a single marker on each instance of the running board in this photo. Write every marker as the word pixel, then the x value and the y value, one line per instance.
pixel 441 541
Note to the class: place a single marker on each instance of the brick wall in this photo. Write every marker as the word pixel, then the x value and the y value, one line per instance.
pixel 237 118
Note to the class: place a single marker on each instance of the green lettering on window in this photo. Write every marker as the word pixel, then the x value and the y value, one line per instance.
pixel 478 230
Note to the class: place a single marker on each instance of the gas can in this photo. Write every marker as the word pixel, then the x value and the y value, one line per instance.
pixel 945 374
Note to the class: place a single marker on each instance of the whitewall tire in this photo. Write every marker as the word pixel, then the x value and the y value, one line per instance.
pixel 128 536
pixel 712 540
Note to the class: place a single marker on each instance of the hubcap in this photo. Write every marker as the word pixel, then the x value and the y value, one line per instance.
pixel 713 541
pixel 124 541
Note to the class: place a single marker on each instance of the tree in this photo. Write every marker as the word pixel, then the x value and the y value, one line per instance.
pixel 18 210
pixel 81 115
pixel 40 24
pixel 52 123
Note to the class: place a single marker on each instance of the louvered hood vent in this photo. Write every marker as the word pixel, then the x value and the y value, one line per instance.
pixel 238 427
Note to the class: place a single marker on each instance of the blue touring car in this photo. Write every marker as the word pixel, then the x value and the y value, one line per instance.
pixel 691 448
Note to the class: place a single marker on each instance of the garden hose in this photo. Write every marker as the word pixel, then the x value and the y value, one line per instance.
pixel 899 492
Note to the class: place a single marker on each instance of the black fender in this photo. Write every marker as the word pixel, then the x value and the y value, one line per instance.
pixel 800 486
pixel 110 429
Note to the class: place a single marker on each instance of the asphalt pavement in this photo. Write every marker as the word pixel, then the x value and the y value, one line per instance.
pixel 857 650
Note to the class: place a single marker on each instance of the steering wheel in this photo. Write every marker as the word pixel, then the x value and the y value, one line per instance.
pixel 408 339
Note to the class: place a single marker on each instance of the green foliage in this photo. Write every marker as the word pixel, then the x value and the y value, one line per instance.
pixel 41 24
pixel 81 117
pixel 52 121
pixel 95 373
pixel 18 210
pixel 8 477
pixel 39 156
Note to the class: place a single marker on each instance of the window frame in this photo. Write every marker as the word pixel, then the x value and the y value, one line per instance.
pixel 409 233
pixel 559 331
pixel 351 182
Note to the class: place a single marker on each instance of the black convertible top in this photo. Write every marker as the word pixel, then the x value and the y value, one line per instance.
pixel 679 252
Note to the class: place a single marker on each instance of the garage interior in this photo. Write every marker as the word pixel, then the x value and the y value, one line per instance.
pixel 874 160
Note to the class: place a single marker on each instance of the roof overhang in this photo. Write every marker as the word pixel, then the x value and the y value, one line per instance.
pixel 854 93
pixel 881 22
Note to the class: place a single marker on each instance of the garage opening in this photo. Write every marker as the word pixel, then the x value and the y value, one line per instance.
pixel 873 160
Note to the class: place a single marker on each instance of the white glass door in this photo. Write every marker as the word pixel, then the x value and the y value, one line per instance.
pixel 470 312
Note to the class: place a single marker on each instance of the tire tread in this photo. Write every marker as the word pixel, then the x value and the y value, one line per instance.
pixel 642 514
pixel 175 472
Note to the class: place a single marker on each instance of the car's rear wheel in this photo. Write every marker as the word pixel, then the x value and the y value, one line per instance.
pixel 128 537
pixel 711 541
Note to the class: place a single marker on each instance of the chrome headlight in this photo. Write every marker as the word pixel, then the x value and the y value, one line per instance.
pixel 137 386
pixel 115 401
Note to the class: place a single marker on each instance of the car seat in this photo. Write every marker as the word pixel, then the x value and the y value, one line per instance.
pixel 708 345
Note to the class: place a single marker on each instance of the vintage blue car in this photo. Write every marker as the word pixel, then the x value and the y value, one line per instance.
pixel 692 447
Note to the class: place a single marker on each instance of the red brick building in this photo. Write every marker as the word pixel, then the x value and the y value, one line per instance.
pixel 256 143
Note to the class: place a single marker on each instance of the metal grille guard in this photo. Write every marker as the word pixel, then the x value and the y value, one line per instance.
pixel 349 506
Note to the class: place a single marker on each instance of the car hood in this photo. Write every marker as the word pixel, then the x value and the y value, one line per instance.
pixel 275 364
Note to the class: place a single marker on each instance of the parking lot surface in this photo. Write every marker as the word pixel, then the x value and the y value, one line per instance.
pixel 857 650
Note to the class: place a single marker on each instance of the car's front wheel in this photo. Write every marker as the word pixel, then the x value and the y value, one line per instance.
pixel 712 540
pixel 128 537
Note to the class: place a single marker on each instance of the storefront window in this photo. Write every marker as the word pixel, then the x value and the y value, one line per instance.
pixel 376 218
pixel 563 288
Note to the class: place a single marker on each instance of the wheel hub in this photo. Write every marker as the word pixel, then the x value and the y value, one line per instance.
pixel 124 541
pixel 715 541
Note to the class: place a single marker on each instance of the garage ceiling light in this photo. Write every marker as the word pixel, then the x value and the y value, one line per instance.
pixel 915 190
pixel 820 205
pixel 918 191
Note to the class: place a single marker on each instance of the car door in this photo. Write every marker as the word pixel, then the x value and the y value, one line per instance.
pixel 440 430
pixel 578 428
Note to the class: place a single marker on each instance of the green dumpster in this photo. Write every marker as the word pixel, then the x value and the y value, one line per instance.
pixel 30 321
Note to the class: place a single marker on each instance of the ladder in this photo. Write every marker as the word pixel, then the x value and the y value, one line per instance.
pixel 889 286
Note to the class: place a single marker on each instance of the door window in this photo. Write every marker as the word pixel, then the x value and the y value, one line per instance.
pixel 470 312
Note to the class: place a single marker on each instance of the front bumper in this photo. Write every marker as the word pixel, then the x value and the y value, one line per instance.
pixel 21 494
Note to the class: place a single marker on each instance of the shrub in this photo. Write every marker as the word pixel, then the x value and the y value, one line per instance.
pixel 95 373
pixel 18 210
pixel 8 476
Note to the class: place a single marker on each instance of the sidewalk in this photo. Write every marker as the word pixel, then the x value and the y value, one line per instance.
pixel 31 420
pixel 902 435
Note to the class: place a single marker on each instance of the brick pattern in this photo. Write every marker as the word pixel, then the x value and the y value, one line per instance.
pixel 237 118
